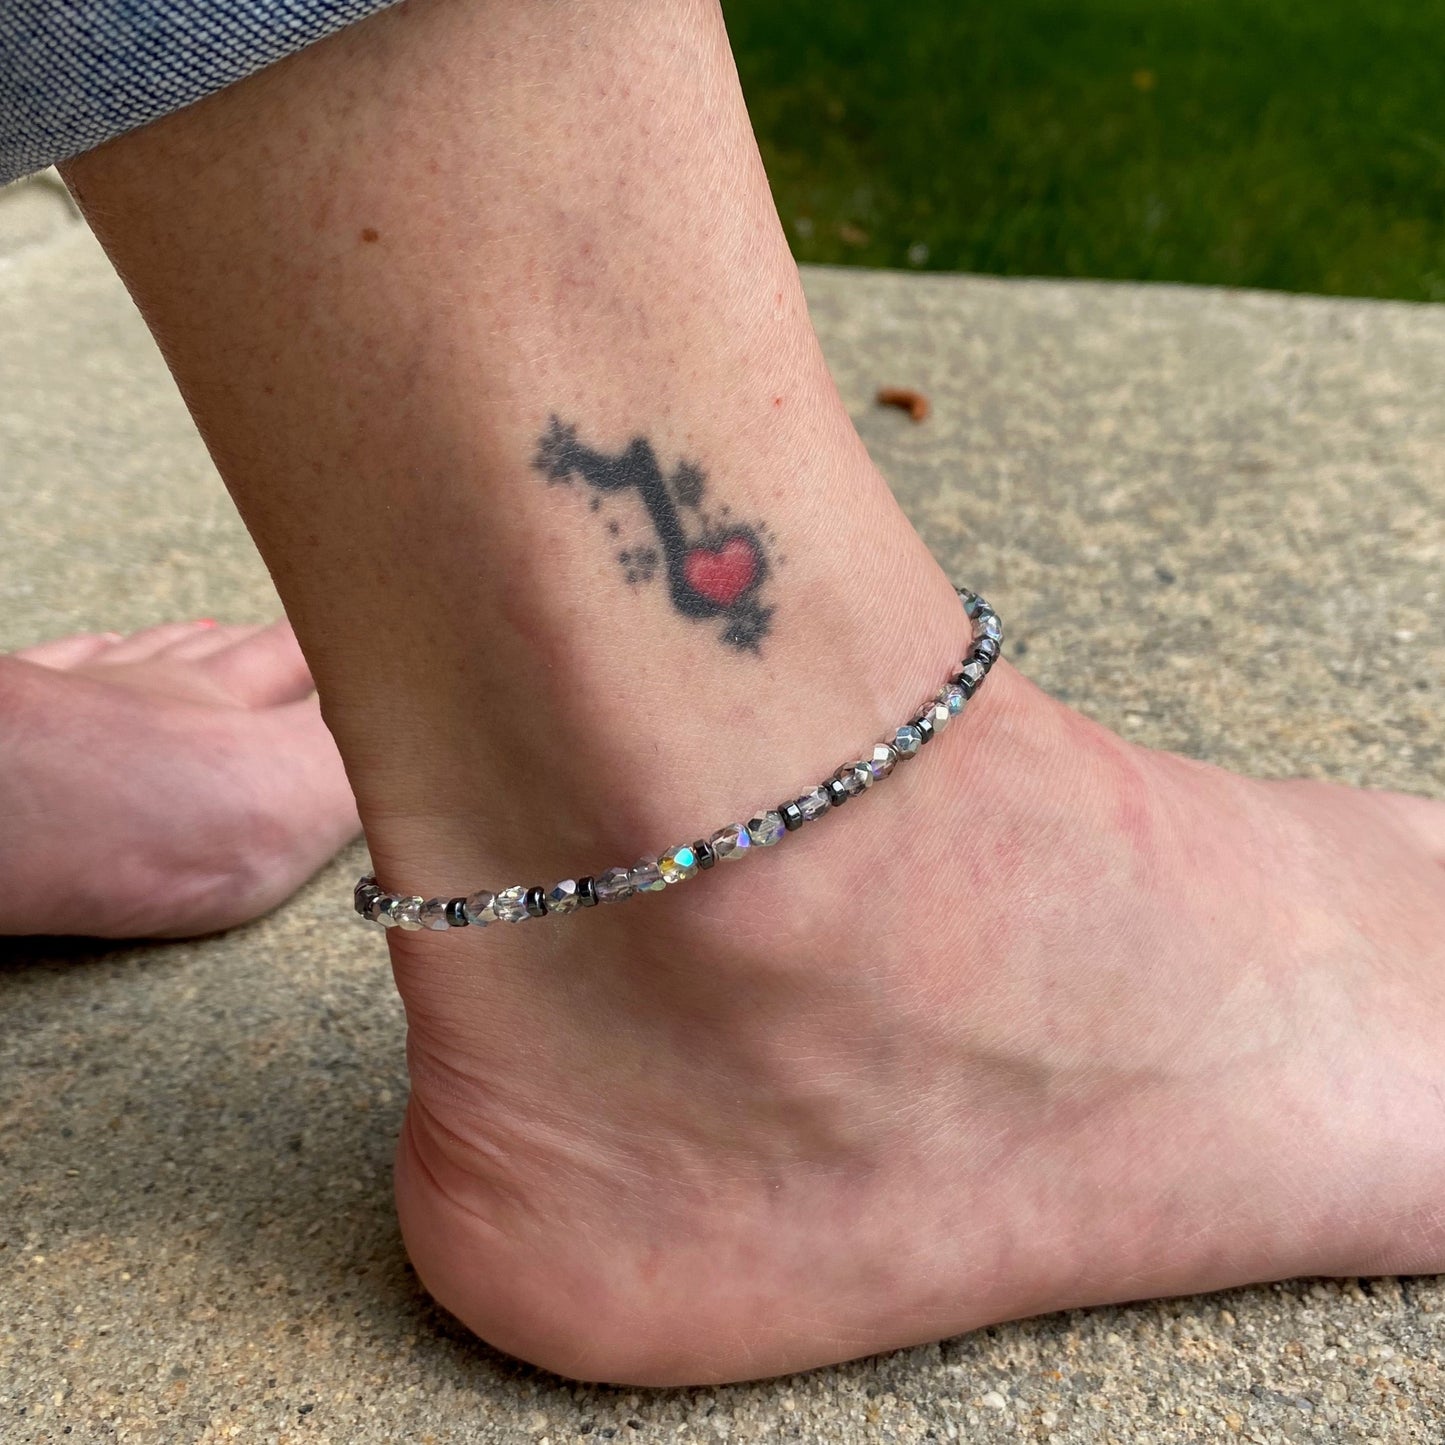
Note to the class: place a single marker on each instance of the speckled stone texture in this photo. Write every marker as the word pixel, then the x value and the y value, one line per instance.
pixel 1216 521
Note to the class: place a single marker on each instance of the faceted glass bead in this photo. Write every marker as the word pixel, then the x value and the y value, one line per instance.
pixel 562 897
pixel 678 864
pixel 954 698
pixel 613 886
pixel 510 905
pixel 408 914
pixel 646 876
pixel 814 803
pixel 732 842
pixel 882 762
pixel 382 910
pixel 433 914
pixel 973 673
pixel 973 604
pixel 479 910
pixel 766 828
pixel 852 783
pixel 987 625
pixel 907 740
pixel 939 715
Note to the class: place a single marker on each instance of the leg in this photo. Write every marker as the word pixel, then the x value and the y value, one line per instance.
pixel 1147 1029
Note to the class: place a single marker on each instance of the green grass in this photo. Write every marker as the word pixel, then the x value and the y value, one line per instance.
pixel 1292 144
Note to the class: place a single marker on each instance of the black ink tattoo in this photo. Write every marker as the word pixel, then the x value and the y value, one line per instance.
pixel 713 568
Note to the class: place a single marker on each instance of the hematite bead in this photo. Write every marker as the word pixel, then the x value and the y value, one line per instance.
pixel 536 902
pixel 678 864
pixel 510 905
pixel 925 727
pixel 837 792
pixel 907 740
pixel 587 891
pixel 814 803
pixel 434 914
pixel 613 886
pixel 792 816
pixel 479 908
pixel 766 828
pixel 731 843
pixel 457 913
pixel 702 851
pixel 970 675
pixel 562 897
pixel 363 891
pixel 407 913
pixel 646 876
pixel 852 782
pixel 986 651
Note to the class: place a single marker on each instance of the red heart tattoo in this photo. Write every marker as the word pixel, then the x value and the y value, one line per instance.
pixel 722 575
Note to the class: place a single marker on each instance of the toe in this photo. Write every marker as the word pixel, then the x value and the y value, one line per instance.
pixel 149 641
pixel 264 669
pixel 63 652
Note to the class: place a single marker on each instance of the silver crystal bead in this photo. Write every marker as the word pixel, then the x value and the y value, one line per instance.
pixel 986 624
pixel 510 905
pixel 814 803
pixel 678 864
pixel 562 897
pixel 381 910
pixel 885 756
pixel 613 886
pixel 766 828
pixel 478 908
pixel 973 604
pixel 973 673
pixel 907 740
pixel 407 913
pixel 646 876
pixel 938 714
pixel 731 843
pixel 433 914
pixel 954 698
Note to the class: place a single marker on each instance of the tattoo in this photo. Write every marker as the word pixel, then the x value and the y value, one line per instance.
pixel 713 567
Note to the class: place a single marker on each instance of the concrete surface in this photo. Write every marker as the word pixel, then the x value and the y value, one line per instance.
pixel 1215 520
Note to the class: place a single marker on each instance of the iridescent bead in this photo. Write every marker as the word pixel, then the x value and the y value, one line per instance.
pixel 907 740
pixel 479 909
pixel 967 598
pixel 433 914
pixel 646 876
pixel 987 652
pixel 678 864
pixel 939 715
pixel 766 828
pixel 613 886
pixel 973 604
pixel 562 897
pixel 731 843
pixel 510 905
pixel 954 698
pixel 882 761
pixel 407 913
pixel 813 804
pixel 986 624
pixel 383 910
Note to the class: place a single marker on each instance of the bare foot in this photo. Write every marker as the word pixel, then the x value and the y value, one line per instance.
pixel 1048 1021
pixel 173 782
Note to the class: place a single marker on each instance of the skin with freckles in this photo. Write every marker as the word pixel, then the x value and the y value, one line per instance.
pixel 1050 1020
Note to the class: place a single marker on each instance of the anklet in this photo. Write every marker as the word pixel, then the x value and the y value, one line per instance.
pixel 737 840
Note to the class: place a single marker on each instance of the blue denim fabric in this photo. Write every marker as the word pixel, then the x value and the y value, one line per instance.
pixel 74 73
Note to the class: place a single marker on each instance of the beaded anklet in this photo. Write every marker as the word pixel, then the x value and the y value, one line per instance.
pixel 737 840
